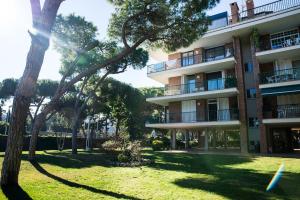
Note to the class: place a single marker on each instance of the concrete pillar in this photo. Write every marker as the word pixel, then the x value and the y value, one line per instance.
pixel 173 139
pixel 206 141
pixel 187 139
pixel 259 101
pixel 242 95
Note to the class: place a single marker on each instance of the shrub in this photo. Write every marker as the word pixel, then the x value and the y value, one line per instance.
pixel 112 145
pixel 135 150
pixel 3 126
pixel 132 153
pixel 157 145
pixel 166 142
pixel 180 144
pixel 123 158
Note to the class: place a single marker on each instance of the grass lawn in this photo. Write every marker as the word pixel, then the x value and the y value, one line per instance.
pixel 58 175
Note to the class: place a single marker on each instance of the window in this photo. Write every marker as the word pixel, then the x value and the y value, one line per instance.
pixel 248 67
pixel 253 122
pixel 214 53
pixel 187 58
pixel 251 93
pixel 218 20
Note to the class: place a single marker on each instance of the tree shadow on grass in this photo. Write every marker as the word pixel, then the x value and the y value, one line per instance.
pixel 195 163
pixel 15 193
pixel 39 168
pixel 244 184
pixel 233 183
pixel 78 161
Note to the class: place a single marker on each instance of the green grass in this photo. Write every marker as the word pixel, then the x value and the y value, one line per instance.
pixel 58 175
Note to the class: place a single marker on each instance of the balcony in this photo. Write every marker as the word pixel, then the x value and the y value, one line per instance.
pixel 280 76
pixel 282 45
pixel 211 118
pixel 282 114
pixel 184 62
pixel 208 85
pixel 266 9
pixel 286 81
pixel 222 87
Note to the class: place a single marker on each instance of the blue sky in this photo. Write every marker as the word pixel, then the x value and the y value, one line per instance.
pixel 15 20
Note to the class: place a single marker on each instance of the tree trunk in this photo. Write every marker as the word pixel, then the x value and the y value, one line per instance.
pixel 43 21
pixel 23 95
pixel 38 123
pixel 117 129
pixel 74 133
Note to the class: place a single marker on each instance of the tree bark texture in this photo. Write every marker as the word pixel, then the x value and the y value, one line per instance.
pixel 43 20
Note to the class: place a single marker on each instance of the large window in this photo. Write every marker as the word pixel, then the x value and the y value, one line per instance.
pixel 215 53
pixel 218 20
pixel 187 58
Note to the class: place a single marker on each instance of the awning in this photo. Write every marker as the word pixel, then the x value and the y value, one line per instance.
pixel 283 90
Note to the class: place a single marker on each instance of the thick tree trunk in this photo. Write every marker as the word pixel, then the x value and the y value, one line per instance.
pixel 23 95
pixel 43 21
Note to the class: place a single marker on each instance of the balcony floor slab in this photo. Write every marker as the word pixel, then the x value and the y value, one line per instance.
pixel 164 100
pixel 215 124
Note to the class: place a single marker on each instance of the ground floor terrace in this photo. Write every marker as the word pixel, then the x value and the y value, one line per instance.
pixel 60 175
pixel 281 122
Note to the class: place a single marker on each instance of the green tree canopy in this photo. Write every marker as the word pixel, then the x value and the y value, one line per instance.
pixel 164 23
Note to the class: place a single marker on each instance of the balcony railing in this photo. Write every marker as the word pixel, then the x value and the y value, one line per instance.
pixel 208 85
pixel 280 40
pixel 279 76
pixel 197 116
pixel 282 111
pixel 267 9
pixel 189 60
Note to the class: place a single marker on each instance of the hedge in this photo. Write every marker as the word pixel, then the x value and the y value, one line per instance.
pixel 50 143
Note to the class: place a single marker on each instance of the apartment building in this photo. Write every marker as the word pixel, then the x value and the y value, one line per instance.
pixel 238 86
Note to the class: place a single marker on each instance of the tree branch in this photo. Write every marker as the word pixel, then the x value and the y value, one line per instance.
pixel 38 107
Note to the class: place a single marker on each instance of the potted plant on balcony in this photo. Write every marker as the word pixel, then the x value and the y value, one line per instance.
pixel 230 82
pixel 255 38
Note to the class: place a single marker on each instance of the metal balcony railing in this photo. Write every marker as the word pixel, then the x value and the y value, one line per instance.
pixel 282 111
pixel 208 85
pixel 279 76
pixel 266 9
pixel 189 60
pixel 196 116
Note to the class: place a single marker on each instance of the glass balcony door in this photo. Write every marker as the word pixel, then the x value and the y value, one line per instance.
pixel 187 58
pixel 214 81
pixel 188 111
pixel 191 84
pixel 212 110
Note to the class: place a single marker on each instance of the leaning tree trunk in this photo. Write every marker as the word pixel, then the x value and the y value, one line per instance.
pixel 37 125
pixel 43 20
pixel 21 103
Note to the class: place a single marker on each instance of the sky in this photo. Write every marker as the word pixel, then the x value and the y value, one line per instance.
pixel 15 20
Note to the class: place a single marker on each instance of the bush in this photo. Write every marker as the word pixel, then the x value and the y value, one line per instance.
pixel 157 145
pixel 180 144
pixel 123 158
pixel 132 153
pixel 112 145
pixel 3 126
